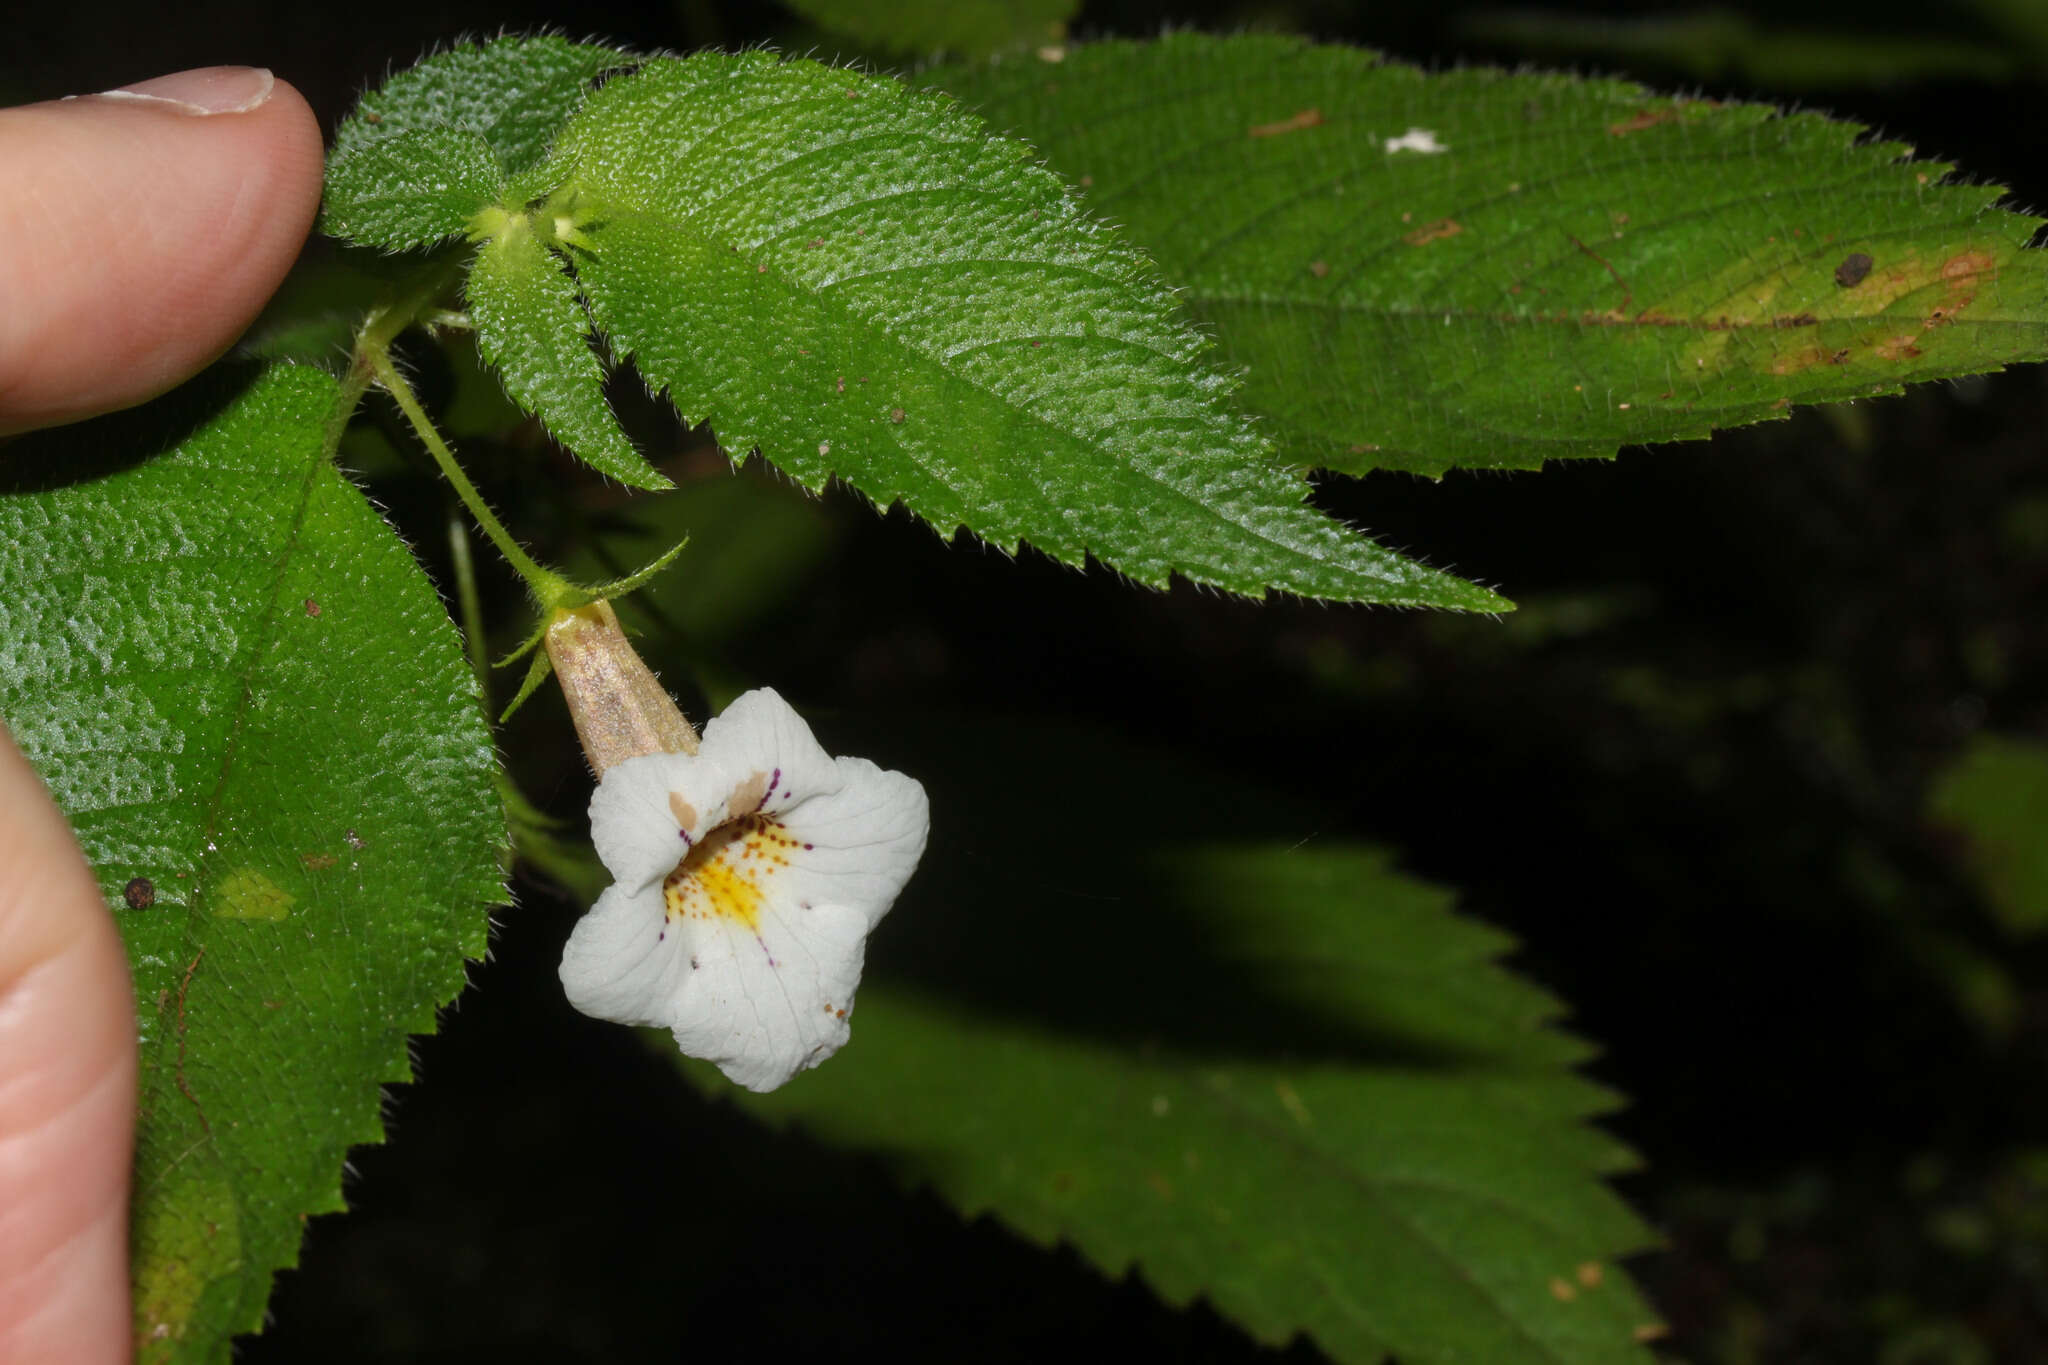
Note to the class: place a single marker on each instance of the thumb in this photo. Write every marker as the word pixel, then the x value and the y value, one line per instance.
pixel 141 231
pixel 67 1091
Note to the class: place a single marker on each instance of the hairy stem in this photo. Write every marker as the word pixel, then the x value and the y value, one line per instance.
pixel 470 604
pixel 547 586
pixel 419 300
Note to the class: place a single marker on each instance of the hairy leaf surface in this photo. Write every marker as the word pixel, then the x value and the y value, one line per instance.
pixel 412 190
pixel 532 328
pixel 862 283
pixel 1284 1078
pixel 425 155
pixel 241 689
pixel 511 93
pixel 1475 268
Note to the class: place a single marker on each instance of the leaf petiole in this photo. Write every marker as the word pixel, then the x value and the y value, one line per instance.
pixel 547 586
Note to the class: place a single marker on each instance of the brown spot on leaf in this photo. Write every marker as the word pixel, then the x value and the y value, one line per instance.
pixel 1433 232
pixel 896 416
pixel 1962 272
pixel 1561 1289
pixel 317 862
pixel 1590 1274
pixel 1967 263
pixel 1650 1331
pixel 1307 118
pixel 1805 358
pixel 1898 348
pixel 140 893
pixel 1796 320
pixel 1643 118
pixel 1319 269
pixel 1853 268
pixel 312 607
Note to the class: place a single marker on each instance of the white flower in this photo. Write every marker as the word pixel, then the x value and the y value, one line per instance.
pixel 747 877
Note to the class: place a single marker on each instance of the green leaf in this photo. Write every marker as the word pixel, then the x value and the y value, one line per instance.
pixel 531 326
pixel 449 132
pixel 240 687
pixel 1996 798
pixel 965 28
pixel 1287 1079
pixel 1583 265
pixel 1415 1183
pixel 513 93
pixel 860 282
pixel 1726 46
pixel 412 190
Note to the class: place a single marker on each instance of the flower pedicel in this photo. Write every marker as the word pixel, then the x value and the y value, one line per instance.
pixel 748 867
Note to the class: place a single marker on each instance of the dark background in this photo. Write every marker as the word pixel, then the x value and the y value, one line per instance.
pixel 1692 778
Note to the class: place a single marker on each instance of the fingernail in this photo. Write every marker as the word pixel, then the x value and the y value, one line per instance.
pixel 203 90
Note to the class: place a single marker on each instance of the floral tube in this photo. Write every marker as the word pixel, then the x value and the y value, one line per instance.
pixel 747 876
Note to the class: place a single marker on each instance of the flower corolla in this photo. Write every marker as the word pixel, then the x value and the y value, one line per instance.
pixel 748 875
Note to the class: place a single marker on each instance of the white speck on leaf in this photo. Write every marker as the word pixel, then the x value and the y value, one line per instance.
pixel 1420 140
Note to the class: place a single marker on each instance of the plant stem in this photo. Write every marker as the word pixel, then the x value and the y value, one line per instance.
pixel 383 323
pixel 470 604
pixel 545 585
pixel 417 299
